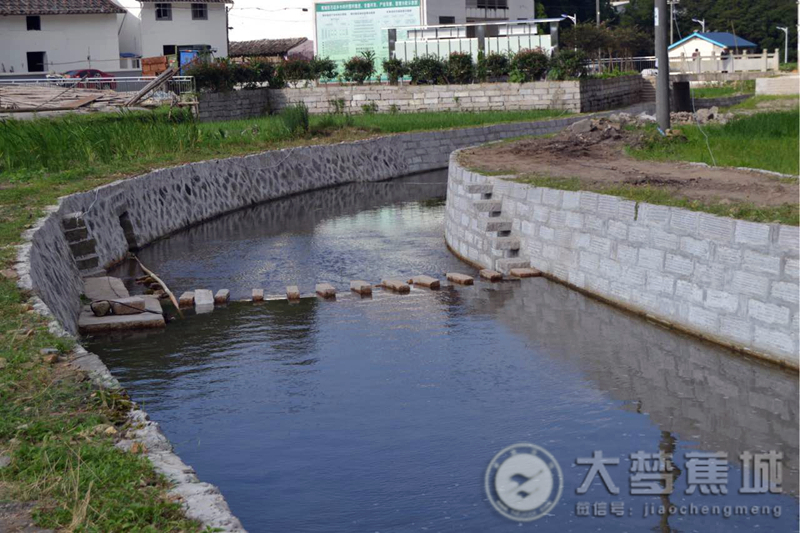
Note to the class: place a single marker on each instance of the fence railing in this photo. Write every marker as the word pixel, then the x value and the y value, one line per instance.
pixel 763 62
pixel 177 84
pixel 606 64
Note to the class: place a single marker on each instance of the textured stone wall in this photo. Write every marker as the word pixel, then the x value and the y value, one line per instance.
pixel 778 85
pixel 233 105
pixel 732 281
pixel 575 96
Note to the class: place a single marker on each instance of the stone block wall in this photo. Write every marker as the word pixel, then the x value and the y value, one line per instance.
pixel 574 96
pixel 234 105
pixel 731 281
pixel 778 85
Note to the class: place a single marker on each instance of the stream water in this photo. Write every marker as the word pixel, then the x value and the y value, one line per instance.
pixel 383 414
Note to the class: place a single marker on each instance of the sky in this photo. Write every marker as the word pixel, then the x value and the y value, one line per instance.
pixel 269 19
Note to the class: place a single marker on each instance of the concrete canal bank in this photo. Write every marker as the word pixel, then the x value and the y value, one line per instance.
pixel 730 281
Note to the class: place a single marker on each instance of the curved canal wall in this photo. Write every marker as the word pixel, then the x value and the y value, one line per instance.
pixel 730 281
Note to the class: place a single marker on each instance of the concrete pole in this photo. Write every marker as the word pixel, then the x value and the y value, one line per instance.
pixel 662 83
pixel 671 21
pixel 597 11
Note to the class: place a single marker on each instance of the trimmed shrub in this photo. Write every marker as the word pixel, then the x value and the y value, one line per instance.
pixel 395 69
pixel 497 65
pixel 215 76
pixel 295 119
pixel 427 70
pixel 322 68
pixel 360 68
pixel 295 70
pixel 567 64
pixel 460 68
pixel 529 65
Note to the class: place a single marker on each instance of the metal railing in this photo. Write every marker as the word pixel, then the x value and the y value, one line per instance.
pixel 762 62
pixel 605 64
pixel 177 84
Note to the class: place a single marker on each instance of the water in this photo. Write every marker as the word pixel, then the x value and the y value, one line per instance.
pixel 382 414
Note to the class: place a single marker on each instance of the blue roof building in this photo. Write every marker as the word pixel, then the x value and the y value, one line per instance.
pixel 710 42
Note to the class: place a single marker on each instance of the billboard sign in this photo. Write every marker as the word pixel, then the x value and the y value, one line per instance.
pixel 345 29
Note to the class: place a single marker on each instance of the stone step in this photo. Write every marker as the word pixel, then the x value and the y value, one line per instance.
pixel 488 206
pixel 486 223
pixel 87 262
pixel 480 188
pixel 84 247
pixel 505 265
pixel 77 234
pixel 94 273
pixel 73 220
pixel 505 243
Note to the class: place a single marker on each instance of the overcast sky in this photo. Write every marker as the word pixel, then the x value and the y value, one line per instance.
pixel 268 19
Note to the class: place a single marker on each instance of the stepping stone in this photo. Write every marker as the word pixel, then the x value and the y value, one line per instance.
pixel 325 290
pixel 525 272
pixel 491 275
pixel 461 279
pixel 186 299
pixel 104 288
pixel 222 296
pixel 396 285
pixel 292 292
pixel 88 323
pixel 128 306
pixel 203 300
pixel 425 281
pixel 361 287
pixel 258 295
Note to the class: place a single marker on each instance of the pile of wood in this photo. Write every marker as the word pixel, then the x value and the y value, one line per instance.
pixel 153 66
pixel 28 98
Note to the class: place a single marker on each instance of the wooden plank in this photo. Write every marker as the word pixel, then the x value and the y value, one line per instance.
pixel 83 101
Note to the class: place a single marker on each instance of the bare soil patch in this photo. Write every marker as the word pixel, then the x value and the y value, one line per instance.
pixel 598 159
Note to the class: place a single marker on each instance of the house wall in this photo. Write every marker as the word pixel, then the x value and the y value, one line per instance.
pixel 688 48
pixel 182 30
pixel 433 9
pixel 70 41
pixel 130 33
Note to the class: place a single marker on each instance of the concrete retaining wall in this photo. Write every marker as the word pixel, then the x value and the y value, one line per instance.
pixel 722 101
pixel 576 96
pixel 731 281
pixel 778 85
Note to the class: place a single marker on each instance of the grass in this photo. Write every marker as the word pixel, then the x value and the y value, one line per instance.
pixel 788 67
pixel 785 214
pixel 730 88
pixel 49 419
pixel 766 141
pixel 754 102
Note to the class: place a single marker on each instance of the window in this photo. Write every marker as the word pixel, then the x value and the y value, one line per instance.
pixel 34 23
pixel 169 49
pixel 163 11
pixel 199 12
pixel 487 4
pixel 447 20
pixel 36 61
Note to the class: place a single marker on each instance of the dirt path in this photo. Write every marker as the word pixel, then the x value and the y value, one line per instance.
pixel 598 159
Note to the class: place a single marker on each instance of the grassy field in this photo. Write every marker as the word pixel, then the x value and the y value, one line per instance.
pixel 767 141
pixel 729 88
pixel 52 423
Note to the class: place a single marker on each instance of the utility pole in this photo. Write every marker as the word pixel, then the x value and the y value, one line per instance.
pixel 662 82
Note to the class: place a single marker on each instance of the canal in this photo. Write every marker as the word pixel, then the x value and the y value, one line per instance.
pixel 383 414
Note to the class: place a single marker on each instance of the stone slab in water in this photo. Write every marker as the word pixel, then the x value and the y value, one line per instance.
pixel 292 292
pixel 104 288
pixel 203 297
pixel 425 281
pixel 222 296
pixel 325 290
pixel 491 275
pixel 128 306
pixel 525 272
pixel 258 295
pixel 461 279
pixel 186 299
pixel 153 318
pixel 396 285
pixel 361 287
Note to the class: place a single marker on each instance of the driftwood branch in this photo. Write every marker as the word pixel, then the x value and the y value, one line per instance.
pixel 158 280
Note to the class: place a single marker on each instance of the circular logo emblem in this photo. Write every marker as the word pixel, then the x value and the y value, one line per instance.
pixel 524 482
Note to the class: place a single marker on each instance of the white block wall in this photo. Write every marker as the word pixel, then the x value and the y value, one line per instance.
pixel 732 281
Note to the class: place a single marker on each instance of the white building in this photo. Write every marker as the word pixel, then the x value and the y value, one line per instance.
pixel 465 11
pixel 40 36
pixel 710 43
pixel 167 26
